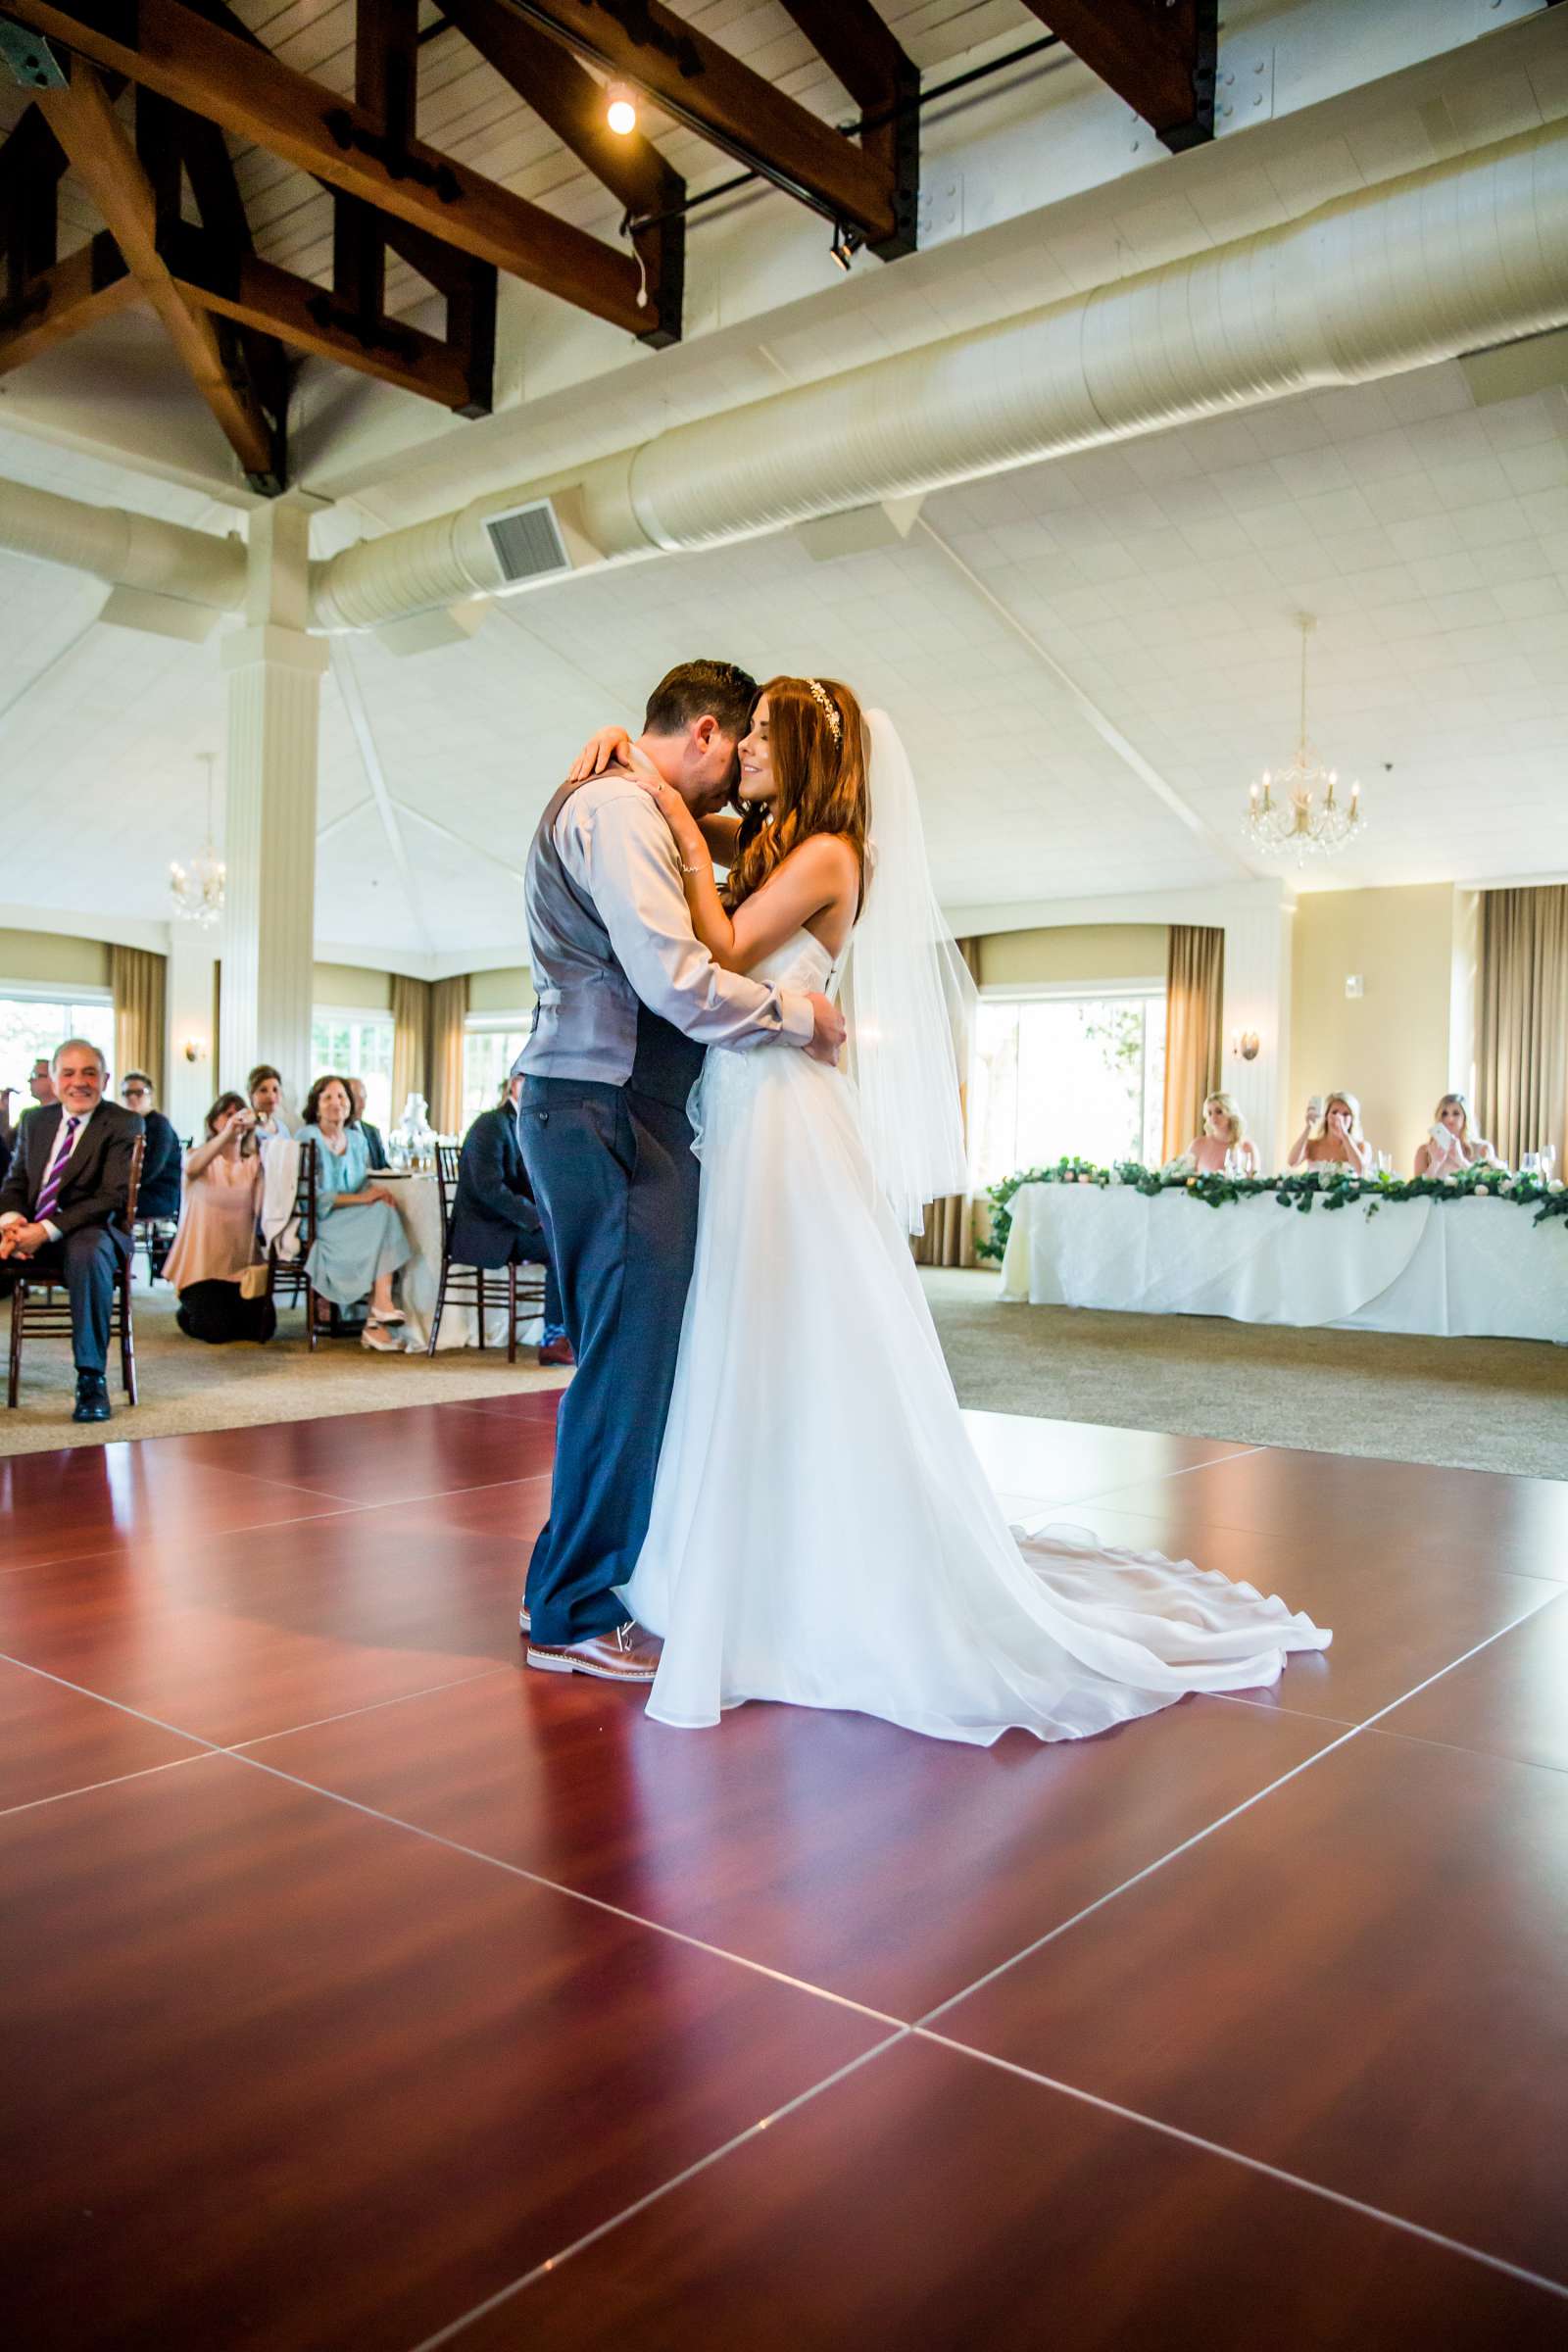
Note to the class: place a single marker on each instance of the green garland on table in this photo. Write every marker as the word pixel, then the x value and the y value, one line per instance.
pixel 1304 1189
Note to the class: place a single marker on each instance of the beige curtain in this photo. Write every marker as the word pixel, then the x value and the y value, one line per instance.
pixel 949 1236
pixel 411 1040
pixel 1522 1049
pixel 1194 996
pixel 137 983
pixel 449 1010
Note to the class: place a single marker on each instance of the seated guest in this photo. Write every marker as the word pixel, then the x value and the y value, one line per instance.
pixel 215 1245
pixel 359 1240
pixel 1224 1131
pixel 494 1221
pixel 41 1087
pixel 63 1208
pixel 158 1193
pixel 1332 1136
pixel 1450 1148
pixel 371 1135
pixel 264 1087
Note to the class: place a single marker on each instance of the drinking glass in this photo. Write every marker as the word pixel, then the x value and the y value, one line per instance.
pixel 1548 1161
pixel 1384 1163
pixel 1530 1164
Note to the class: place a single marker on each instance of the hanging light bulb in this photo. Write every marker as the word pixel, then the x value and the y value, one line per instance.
pixel 620 108
pixel 847 243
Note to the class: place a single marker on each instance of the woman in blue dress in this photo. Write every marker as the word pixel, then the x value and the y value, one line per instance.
pixel 359 1240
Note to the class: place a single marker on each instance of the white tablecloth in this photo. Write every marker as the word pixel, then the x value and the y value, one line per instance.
pixel 419 1207
pixel 1457 1268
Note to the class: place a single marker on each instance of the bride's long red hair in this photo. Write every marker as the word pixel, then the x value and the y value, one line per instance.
pixel 819 782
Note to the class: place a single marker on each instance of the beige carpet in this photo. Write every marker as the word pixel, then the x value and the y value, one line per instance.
pixel 1485 1404
pixel 1479 1404
pixel 187 1385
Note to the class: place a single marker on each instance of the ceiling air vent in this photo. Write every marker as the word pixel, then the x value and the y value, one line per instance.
pixel 526 542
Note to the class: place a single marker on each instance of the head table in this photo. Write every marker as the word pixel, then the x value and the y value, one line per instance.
pixel 1473 1267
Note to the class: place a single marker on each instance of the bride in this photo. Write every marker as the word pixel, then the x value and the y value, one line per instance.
pixel 890 1583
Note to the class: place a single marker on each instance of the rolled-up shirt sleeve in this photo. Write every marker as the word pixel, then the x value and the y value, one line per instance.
pixel 622 854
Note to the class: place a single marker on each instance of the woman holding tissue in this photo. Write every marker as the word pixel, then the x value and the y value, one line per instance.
pixel 1332 1135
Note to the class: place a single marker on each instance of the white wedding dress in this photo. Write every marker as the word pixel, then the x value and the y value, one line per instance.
pixel 822 1532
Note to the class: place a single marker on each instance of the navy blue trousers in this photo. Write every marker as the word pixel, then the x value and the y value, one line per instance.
pixel 615 1181
pixel 88 1261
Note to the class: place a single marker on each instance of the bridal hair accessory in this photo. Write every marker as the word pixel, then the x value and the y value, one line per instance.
pixel 830 707
pixel 912 1000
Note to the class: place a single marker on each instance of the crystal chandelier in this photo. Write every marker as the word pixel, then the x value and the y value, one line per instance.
pixel 197 890
pixel 1297 810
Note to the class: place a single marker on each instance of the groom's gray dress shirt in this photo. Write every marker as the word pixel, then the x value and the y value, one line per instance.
pixel 608 925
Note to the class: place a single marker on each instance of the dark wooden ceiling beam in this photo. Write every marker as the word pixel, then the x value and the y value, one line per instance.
pixel 466 287
pixel 44 310
pixel 572 103
pixel 691 79
pixel 212 71
pixel 1159 55
pixel 257 294
pixel 854 42
pixel 105 161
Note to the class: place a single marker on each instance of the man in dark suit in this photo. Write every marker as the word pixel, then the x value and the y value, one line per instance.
pixel 494 1220
pixel 63 1208
pixel 158 1193
pixel 372 1135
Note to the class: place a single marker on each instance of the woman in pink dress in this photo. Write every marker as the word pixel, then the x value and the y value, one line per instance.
pixel 216 1243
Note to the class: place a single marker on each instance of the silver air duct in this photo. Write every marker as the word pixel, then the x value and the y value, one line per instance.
pixel 1458 256
pixel 163 564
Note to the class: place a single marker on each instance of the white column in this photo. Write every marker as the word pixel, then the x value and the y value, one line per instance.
pixel 273 670
pixel 189 1084
pixel 1258 998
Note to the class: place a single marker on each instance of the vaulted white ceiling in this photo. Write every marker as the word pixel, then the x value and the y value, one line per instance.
pixel 1090 658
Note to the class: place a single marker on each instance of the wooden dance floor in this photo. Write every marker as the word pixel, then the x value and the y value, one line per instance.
pixel 363 1992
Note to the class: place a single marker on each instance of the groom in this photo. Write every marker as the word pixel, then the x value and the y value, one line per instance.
pixel 628 1000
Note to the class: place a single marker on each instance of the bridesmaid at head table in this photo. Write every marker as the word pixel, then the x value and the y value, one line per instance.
pixel 1331 1134
pixel 1224 1131
pixel 1450 1146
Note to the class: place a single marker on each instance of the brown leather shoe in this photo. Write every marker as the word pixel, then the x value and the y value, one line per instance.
pixel 627 1655
pixel 557 1351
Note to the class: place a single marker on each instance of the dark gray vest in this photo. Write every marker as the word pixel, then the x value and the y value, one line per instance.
pixel 589 1023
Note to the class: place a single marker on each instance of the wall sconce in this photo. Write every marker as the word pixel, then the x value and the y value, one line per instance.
pixel 194 1049
pixel 1244 1045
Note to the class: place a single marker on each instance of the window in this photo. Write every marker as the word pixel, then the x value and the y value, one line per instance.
pixel 356 1045
pixel 35 1022
pixel 490 1047
pixel 1067 1073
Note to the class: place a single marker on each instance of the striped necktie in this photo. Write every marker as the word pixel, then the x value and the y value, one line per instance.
pixel 56 1177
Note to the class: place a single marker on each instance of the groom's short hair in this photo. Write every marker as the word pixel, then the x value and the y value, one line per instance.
pixel 695 689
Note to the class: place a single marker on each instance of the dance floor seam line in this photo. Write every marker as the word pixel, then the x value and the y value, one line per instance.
pixel 199 1740
pixel 576 1894
pixel 371 1706
pixel 1330 1748
pixel 1456 1747
pixel 1256 2163
pixel 700 2163
pixel 114 1780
